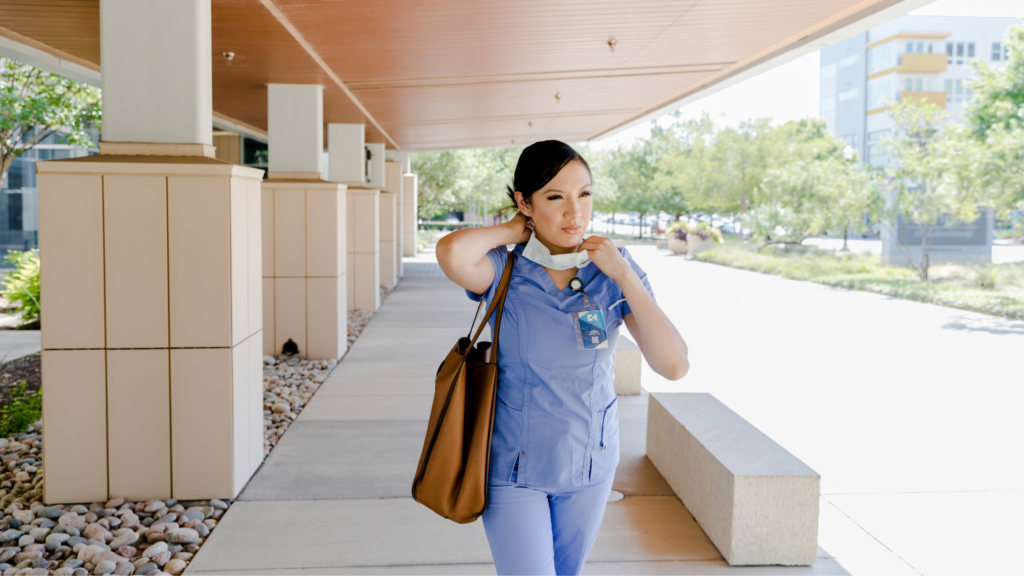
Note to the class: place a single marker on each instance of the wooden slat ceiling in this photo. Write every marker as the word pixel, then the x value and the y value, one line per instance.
pixel 461 73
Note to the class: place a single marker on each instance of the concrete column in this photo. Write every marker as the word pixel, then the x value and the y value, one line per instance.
pixel 304 222
pixel 410 215
pixel 152 281
pixel 346 144
pixel 375 173
pixel 347 156
pixel 295 129
pixel 393 171
pixel 156 71
pixel 364 249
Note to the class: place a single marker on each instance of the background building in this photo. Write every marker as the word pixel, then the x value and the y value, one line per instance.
pixel 924 57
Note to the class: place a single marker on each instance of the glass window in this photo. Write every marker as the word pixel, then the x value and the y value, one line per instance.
pixel 931 47
pixel 917 84
pixel 910 47
pixel 949 52
pixel 970 49
pixel 877 156
pixel 881 58
pixel 908 85
pixel 920 47
pixel 997 51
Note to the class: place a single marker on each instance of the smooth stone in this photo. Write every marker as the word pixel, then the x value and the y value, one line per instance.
pixel 174 566
pixel 39 534
pixel 155 549
pixel 106 556
pixel 72 530
pixel 80 572
pixel 114 502
pixel 182 536
pixel 186 556
pixel 218 504
pixel 203 530
pixel 76 540
pixel 50 512
pixel 73 563
pixel 162 558
pixel 104 567
pixel 59 538
pixel 128 552
pixel 154 506
pixel 170 517
pixel 11 535
pixel 14 523
pixel 67 518
pixel 79 509
pixel 45 523
pixel 25 540
pixel 125 540
pixel 7 554
pixel 193 515
pixel 63 571
pixel 147 568
pixel 124 569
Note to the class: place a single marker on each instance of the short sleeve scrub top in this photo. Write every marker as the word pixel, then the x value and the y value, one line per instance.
pixel 556 422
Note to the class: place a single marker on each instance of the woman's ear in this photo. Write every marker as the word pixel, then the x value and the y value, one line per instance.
pixel 524 208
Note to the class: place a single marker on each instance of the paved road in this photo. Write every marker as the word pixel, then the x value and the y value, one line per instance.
pixel 909 411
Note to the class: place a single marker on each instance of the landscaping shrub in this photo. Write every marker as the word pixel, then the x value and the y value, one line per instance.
pixel 24 407
pixel 21 286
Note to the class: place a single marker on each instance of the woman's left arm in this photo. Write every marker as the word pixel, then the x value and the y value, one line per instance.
pixel 658 339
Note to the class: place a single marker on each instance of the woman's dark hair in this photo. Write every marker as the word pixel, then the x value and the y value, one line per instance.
pixel 539 164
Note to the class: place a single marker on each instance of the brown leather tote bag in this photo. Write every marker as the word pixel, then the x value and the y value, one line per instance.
pixel 451 478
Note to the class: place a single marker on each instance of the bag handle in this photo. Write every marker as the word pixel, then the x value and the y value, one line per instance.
pixel 497 302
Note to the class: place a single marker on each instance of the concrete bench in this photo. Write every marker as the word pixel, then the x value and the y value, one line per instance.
pixel 627 365
pixel 757 502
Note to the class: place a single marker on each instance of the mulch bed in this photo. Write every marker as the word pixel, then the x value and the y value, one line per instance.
pixel 26 369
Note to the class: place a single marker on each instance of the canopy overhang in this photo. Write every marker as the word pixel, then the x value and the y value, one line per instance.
pixel 460 73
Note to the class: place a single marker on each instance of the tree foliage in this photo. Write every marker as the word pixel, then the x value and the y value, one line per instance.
pixel 998 93
pixel 35 104
pixel 936 176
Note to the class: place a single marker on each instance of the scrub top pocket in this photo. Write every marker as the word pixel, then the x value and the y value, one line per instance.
pixel 605 456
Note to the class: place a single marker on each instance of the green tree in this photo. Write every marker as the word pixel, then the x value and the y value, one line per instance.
pixel 998 93
pixel 632 169
pixel 453 180
pixel 35 104
pixel 932 181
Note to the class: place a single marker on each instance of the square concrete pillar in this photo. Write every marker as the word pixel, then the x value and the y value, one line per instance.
pixel 148 255
pixel 388 235
pixel 376 175
pixel 305 267
pixel 410 215
pixel 363 245
pixel 757 502
pixel 395 184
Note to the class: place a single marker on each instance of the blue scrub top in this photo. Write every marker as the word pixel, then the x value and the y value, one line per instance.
pixel 557 414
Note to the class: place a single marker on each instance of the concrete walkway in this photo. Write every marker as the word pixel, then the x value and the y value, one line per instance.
pixel 16 344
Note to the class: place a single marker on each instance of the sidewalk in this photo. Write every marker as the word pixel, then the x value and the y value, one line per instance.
pixel 16 344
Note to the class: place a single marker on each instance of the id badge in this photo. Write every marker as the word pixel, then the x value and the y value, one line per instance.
pixel 591 333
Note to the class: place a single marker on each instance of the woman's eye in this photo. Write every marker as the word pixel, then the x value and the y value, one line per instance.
pixel 587 193
pixel 555 197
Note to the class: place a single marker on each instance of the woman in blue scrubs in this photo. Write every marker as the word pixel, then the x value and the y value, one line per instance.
pixel 555 444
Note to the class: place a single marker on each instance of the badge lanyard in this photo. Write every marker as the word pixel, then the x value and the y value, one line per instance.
pixel 588 321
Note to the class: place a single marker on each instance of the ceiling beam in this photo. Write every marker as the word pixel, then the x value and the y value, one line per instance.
pixel 283 20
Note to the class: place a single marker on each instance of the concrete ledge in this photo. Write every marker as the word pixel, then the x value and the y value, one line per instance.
pixel 627 366
pixel 757 502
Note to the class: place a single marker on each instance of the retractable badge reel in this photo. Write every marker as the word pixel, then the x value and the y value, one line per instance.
pixel 588 320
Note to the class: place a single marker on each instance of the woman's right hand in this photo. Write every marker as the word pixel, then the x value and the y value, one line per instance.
pixel 522 229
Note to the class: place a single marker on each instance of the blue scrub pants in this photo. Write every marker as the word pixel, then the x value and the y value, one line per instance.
pixel 535 531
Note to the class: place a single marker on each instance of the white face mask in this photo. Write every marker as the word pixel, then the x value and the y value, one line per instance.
pixel 536 251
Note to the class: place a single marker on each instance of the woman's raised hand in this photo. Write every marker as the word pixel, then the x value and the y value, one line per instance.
pixel 606 256
pixel 522 228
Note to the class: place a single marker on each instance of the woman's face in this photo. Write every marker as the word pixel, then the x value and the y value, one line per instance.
pixel 561 210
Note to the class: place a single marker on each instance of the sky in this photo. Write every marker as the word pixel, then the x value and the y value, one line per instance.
pixel 790 92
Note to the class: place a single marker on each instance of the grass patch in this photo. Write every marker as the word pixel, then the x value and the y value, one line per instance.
pixel 996 289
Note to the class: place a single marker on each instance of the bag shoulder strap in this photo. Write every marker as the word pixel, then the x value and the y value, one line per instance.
pixel 498 301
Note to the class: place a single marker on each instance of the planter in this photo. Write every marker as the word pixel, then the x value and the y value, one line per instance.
pixel 676 245
pixel 696 245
